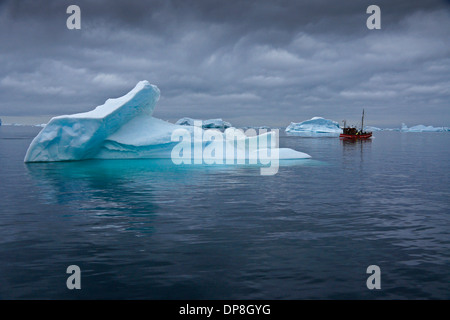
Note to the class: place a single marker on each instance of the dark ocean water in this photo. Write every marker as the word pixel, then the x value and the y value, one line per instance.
pixel 147 229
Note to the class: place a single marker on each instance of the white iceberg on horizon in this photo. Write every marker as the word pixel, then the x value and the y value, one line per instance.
pixel 422 128
pixel 315 127
pixel 123 128
pixel 206 124
pixel 371 128
pixel 257 127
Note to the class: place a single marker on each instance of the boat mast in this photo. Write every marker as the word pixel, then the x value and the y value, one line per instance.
pixel 362 122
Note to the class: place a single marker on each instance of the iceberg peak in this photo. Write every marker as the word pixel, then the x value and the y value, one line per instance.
pixel 80 136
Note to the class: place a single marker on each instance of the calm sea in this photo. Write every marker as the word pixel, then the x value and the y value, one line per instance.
pixel 148 229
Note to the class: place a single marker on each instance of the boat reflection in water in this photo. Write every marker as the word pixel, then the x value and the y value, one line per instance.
pixel 354 147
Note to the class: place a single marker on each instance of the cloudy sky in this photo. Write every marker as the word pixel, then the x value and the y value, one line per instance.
pixel 250 62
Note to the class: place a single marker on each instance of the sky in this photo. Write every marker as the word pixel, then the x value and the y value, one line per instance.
pixel 249 62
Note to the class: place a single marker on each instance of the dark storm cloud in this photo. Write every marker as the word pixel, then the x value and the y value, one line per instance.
pixel 249 62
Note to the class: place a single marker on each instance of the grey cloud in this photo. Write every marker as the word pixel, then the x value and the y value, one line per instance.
pixel 249 62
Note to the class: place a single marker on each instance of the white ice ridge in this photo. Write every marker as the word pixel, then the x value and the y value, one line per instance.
pixel 422 128
pixel 206 124
pixel 315 127
pixel 119 129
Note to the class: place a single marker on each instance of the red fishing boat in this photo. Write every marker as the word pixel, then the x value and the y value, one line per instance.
pixel 352 133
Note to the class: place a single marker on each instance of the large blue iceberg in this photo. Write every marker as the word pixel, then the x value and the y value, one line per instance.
pixel 315 127
pixel 122 128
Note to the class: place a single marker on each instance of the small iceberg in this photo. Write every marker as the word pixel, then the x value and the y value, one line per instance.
pixel 206 124
pixel 315 127
pixel 422 128
pixel 124 128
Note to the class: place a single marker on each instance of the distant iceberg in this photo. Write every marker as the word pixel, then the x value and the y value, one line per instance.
pixel 206 124
pixel 315 127
pixel 422 128
pixel 371 128
pixel 24 125
pixel 123 128
pixel 257 128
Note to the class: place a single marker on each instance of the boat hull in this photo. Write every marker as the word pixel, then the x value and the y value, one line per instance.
pixel 356 136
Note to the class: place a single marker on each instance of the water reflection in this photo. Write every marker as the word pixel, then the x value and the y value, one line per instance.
pixel 113 182
pixel 352 143
pixel 132 187
pixel 353 148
